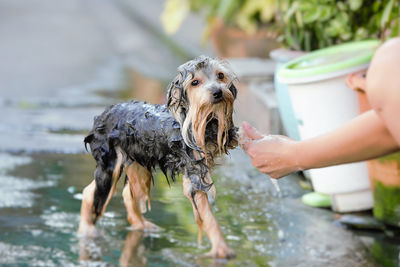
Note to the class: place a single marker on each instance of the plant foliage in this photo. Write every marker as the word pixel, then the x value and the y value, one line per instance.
pixel 313 24
pixel 301 24
pixel 247 15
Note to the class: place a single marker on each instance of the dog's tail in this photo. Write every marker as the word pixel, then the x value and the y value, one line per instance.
pixel 88 139
pixel 103 146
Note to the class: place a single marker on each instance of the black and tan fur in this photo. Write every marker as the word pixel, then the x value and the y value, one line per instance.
pixel 183 136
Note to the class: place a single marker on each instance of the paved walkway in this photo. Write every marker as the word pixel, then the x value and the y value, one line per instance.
pixel 57 55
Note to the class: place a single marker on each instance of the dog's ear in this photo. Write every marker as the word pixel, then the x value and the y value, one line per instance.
pixel 174 92
pixel 233 90
pixel 176 101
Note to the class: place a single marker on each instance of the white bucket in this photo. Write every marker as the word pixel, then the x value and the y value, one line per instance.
pixel 321 107
pixel 322 103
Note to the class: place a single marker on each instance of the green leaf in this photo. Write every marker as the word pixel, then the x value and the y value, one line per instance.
pixel 343 17
pixel 307 41
pixel 361 33
pixel 355 4
pixel 299 19
pixel 267 10
pixel 246 23
pixel 386 13
pixel 395 30
pixel 341 6
pixel 326 12
pixel 346 35
pixel 312 14
pixel 305 5
pixel 226 9
pixel 292 9
pixel 376 6
pixel 289 40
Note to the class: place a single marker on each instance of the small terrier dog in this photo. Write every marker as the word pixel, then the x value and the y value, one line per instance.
pixel 183 136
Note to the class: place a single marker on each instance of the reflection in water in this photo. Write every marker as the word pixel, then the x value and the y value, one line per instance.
pixel 133 252
pixel 262 228
pixel 89 250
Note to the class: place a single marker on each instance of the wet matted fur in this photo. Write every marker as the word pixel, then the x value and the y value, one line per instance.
pixel 183 136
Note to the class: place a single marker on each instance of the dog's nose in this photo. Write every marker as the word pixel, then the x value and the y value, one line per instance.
pixel 217 94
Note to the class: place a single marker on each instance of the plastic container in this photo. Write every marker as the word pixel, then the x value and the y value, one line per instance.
pixel 282 56
pixel 322 102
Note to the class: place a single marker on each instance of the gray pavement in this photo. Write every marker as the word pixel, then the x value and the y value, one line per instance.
pixel 56 56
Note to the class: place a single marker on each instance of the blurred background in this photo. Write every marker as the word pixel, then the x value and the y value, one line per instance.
pixel 62 62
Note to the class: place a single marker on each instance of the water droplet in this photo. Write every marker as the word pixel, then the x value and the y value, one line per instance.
pixel 71 189
pixel 232 237
pixel 78 196
pixel 281 234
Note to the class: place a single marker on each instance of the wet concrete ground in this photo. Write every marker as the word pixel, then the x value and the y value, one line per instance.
pixel 62 63
pixel 40 213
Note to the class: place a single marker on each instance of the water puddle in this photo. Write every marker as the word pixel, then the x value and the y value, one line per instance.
pixel 41 215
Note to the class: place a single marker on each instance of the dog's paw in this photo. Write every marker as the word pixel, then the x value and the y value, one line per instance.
pixel 222 252
pixel 151 227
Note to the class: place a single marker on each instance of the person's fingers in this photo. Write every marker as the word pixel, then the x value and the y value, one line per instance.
pixel 249 148
pixel 245 146
pixel 250 131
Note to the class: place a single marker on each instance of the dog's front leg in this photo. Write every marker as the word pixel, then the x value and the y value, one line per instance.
pixel 206 220
pixel 135 194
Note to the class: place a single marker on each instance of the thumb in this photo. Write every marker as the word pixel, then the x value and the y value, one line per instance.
pixel 251 132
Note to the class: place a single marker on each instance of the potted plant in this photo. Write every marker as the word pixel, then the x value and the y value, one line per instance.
pixel 237 28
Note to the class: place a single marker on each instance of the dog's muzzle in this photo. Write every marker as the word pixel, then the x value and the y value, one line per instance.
pixel 216 95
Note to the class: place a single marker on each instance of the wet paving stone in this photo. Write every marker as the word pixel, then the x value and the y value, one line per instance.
pixel 263 228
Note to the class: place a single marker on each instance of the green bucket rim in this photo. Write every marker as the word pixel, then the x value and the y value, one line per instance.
pixel 287 70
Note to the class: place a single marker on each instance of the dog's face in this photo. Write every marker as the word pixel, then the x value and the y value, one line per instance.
pixel 201 99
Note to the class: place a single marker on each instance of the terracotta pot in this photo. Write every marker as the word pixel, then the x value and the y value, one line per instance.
pixel 384 172
pixel 232 42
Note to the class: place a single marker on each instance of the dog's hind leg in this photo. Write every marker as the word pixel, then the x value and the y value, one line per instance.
pixel 206 220
pixel 86 225
pixel 97 194
pixel 136 193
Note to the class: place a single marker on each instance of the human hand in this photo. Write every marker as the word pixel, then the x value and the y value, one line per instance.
pixel 274 155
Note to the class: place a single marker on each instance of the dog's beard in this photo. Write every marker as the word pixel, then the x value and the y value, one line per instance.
pixel 216 119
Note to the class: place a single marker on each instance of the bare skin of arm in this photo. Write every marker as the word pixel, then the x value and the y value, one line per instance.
pixel 383 85
pixel 370 135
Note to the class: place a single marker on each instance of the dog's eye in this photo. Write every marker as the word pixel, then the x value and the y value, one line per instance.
pixel 220 76
pixel 195 82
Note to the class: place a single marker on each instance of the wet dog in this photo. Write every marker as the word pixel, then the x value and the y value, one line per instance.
pixel 183 136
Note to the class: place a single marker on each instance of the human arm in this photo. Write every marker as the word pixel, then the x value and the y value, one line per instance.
pixel 383 85
pixel 363 138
